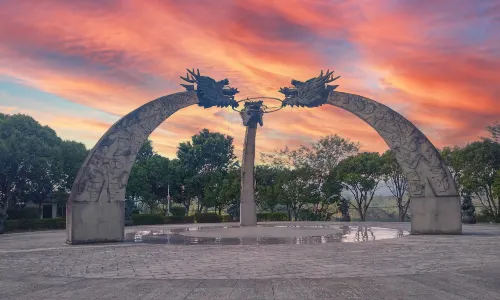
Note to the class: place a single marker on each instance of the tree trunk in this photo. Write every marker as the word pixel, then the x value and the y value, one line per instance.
pixel 362 215
pixel 187 205
pixel 402 214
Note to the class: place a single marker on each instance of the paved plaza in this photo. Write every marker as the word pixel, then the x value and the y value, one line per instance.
pixel 41 266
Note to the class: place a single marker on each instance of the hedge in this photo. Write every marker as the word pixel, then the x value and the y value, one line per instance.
pixel 34 224
pixel 156 219
pixel 23 214
pixel 178 211
pixel 148 219
pixel 207 218
pixel 272 216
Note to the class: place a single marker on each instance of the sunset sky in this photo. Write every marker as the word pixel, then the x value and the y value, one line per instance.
pixel 78 66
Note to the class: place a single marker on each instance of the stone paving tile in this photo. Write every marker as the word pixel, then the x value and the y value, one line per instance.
pixel 414 267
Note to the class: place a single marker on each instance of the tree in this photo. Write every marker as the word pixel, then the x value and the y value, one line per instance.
pixel 148 182
pixel 31 161
pixel 296 191
pixel 206 153
pixel 72 154
pixel 222 189
pixel 360 176
pixel 180 188
pixel 396 182
pixel 451 157
pixel 266 186
pixel 494 130
pixel 145 151
pixel 479 164
pixel 322 156
pixel 316 163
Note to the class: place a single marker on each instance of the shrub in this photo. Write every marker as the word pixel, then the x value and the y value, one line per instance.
pixel 188 219
pixel 24 213
pixel 229 218
pixel 157 219
pixel 207 218
pixel 178 211
pixel 179 220
pixel 272 216
pixel 35 224
pixel 485 217
pixel 148 219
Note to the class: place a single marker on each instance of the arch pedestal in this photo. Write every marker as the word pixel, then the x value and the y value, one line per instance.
pixel 435 202
pixel 95 209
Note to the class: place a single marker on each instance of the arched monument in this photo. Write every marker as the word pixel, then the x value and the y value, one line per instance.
pixel 95 209
pixel 435 202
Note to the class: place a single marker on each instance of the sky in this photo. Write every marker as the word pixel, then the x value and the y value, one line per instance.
pixel 78 66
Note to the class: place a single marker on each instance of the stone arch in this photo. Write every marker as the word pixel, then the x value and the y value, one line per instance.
pixel 95 208
pixel 435 202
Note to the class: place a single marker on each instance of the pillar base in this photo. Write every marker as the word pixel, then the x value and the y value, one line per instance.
pixel 436 215
pixel 248 214
pixel 95 222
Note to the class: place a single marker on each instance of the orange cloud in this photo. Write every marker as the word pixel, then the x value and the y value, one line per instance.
pixel 436 62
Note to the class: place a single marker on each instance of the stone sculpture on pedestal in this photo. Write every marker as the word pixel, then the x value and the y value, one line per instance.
pixel 468 209
pixel 343 207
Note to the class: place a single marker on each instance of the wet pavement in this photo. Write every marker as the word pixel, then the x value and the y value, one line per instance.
pixel 263 235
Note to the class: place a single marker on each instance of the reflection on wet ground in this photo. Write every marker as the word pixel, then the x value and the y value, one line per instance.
pixel 347 234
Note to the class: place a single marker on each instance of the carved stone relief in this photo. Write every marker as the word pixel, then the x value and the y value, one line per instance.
pixel 104 174
pixel 419 159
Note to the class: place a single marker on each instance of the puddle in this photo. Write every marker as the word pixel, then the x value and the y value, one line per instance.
pixel 187 235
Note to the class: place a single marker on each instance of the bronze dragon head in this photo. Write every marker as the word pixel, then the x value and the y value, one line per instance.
pixel 311 93
pixel 210 92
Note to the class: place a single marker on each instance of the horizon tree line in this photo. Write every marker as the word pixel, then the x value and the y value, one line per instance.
pixel 307 183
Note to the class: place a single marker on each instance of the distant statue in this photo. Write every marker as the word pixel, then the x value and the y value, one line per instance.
pixel 343 207
pixel 234 211
pixel 129 208
pixel 3 217
pixel 468 209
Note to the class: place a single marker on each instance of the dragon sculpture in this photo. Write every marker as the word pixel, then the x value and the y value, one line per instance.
pixel 252 114
pixel 210 92
pixel 311 93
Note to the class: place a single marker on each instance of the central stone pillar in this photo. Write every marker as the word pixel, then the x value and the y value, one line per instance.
pixel 251 115
pixel 248 209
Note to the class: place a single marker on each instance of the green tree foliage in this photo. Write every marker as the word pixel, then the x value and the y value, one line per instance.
pixel 206 153
pixel 267 186
pixel 146 151
pixel 149 180
pixel 222 189
pixel 494 130
pixel 310 171
pixel 360 176
pixel 477 166
pixel 35 164
pixel 396 182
